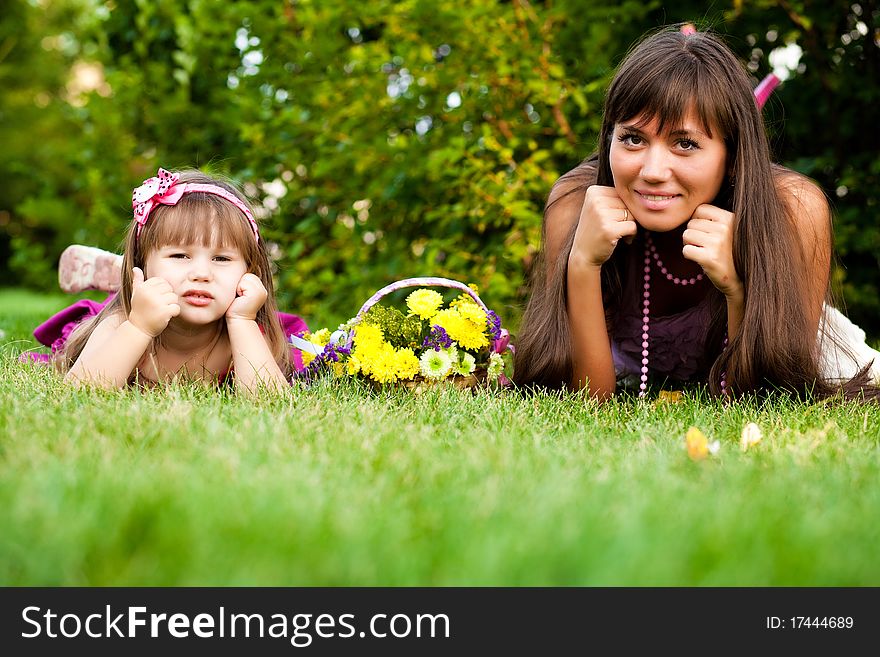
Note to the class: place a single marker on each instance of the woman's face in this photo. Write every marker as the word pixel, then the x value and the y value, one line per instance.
pixel 663 177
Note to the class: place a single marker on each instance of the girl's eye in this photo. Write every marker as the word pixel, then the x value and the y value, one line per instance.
pixel 222 258
pixel 177 255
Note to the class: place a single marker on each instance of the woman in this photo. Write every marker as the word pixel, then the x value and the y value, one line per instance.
pixel 679 251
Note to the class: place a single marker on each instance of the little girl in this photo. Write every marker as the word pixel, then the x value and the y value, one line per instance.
pixel 196 298
pixel 679 251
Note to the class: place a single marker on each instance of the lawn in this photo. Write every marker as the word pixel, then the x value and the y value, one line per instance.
pixel 340 485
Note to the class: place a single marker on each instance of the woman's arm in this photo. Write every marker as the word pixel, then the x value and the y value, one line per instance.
pixel 810 214
pixel 592 363
pixel 602 220
pixel 708 241
pixel 255 368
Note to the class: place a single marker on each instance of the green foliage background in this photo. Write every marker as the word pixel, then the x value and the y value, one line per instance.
pixel 387 139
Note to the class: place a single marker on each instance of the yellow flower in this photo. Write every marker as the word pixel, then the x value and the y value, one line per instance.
pixel 352 365
pixel 406 363
pixel 366 335
pixel 368 354
pixel 698 446
pixel 320 337
pixel 424 303
pixel 383 364
pixel 463 331
pixel 372 356
pixel 751 436
pixel 472 312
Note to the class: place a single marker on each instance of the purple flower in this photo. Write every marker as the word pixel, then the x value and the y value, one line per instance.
pixel 331 353
pixel 493 322
pixel 437 339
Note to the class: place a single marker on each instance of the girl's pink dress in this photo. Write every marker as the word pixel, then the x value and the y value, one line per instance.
pixel 54 331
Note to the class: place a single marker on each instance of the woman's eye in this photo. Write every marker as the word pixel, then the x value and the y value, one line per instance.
pixel 688 145
pixel 629 139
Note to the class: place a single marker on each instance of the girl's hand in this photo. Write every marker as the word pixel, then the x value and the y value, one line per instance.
pixel 708 241
pixel 251 297
pixel 153 303
pixel 604 221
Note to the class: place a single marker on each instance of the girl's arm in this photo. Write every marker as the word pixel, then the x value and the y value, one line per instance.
pixel 117 345
pixel 602 220
pixel 255 368
pixel 110 355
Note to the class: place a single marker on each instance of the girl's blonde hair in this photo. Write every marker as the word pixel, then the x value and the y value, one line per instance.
pixel 198 218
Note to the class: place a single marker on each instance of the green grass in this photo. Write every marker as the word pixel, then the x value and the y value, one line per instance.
pixel 338 485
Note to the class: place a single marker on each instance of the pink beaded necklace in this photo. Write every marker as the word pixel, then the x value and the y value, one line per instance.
pixel 651 254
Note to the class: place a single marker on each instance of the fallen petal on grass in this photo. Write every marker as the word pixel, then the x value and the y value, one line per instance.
pixel 698 446
pixel 669 397
pixel 751 436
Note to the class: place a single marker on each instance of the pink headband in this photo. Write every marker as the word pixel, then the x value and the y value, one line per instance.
pixel 165 190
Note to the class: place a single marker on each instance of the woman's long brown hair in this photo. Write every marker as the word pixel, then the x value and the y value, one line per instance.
pixel 664 77
pixel 198 218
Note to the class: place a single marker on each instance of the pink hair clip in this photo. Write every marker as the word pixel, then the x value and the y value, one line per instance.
pixel 765 88
pixel 164 189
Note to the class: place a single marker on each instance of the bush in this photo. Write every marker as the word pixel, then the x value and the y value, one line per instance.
pixel 386 139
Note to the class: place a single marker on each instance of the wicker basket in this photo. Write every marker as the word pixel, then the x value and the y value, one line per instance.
pixel 419 382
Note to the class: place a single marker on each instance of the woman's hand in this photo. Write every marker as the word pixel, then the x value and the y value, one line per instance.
pixel 153 303
pixel 603 222
pixel 252 295
pixel 708 241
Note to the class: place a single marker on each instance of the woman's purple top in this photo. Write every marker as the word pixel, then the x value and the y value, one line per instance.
pixel 676 343
pixel 55 331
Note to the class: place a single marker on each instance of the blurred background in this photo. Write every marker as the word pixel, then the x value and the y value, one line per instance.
pixel 387 139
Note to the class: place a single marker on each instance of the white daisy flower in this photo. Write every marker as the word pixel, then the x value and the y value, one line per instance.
pixel 435 364
pixel 465 364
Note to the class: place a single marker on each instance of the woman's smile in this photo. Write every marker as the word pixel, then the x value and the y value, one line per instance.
pixel 655 200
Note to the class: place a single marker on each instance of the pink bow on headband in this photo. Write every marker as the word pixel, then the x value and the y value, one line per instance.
pixel 164 189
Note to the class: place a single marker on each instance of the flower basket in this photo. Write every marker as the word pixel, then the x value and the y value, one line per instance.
pixel 425 343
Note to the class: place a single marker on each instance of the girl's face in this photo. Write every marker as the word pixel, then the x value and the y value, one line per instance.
pixel 205 278
pixel 663 177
